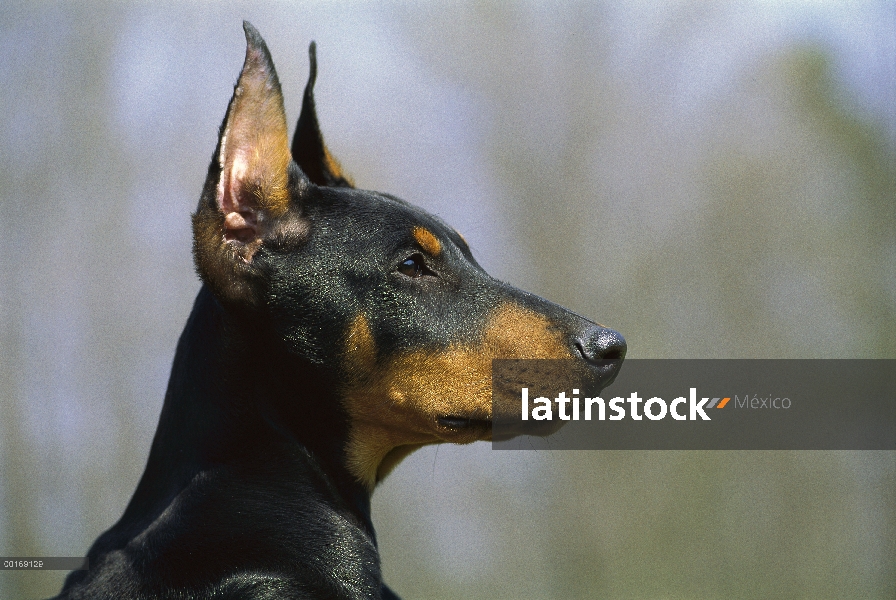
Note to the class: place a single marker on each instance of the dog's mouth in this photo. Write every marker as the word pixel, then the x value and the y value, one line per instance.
pixel 465 424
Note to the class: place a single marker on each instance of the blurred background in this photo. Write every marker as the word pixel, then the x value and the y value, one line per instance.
pixel 712 179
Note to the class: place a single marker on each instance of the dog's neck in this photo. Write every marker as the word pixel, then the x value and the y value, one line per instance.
pixel 228 390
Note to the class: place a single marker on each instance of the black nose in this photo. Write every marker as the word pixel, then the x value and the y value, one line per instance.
pixel 599 343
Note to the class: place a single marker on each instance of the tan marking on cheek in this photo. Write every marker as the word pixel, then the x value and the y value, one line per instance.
pixel 360 349
pixel 427 241
pixel 399 404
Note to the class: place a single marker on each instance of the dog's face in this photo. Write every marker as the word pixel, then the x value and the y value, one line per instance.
pixel 383 296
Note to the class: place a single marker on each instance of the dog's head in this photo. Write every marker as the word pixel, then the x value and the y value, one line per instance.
pixel 382 296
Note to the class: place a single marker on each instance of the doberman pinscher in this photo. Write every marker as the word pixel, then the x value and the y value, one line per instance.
pixel 336 331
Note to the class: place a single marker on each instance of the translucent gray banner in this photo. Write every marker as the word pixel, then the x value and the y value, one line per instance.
pixel 847 404
pixel 43 563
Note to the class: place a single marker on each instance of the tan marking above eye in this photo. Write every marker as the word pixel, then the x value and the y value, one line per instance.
pixel 428 242
pixel 399 402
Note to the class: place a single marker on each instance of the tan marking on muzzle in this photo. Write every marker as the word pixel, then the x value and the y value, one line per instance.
pixel 399 403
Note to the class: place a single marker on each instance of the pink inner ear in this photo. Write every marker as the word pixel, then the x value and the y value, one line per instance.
pixel 239 227
pixel 236 202
pixel 254 150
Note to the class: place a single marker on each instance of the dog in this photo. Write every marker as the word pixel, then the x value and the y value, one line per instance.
pixel 336 331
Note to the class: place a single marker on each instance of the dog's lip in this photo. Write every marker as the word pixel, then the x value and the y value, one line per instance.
pixel 463 423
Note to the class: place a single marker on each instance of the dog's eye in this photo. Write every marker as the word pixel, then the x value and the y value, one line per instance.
pixel 412 266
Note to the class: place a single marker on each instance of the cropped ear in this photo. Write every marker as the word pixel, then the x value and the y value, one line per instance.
pixel 247 188
pixel 308 148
